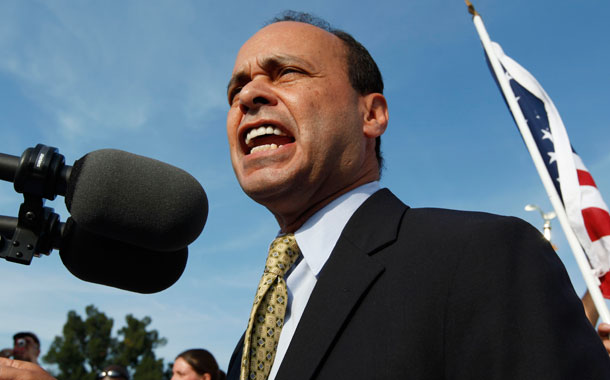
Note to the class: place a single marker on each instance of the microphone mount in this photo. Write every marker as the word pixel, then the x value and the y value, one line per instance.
pixel 40 173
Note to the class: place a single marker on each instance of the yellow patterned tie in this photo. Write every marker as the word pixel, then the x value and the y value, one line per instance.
pixel 267 315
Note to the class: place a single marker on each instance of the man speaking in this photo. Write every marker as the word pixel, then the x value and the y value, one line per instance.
pixel 358 285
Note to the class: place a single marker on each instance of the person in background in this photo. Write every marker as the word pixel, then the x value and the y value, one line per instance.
pixel 113 372
pixel 26 347
pixel 196 364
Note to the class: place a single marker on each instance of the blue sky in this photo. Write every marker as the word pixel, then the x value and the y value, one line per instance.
pixel 149 77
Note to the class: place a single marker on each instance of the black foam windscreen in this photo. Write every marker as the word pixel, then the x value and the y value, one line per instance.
pixel 136 200
pixel 104 261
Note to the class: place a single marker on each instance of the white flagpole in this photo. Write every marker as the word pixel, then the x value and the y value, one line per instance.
pixel 591 280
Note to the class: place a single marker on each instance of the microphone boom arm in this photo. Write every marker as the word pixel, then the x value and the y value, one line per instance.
pixel 39 173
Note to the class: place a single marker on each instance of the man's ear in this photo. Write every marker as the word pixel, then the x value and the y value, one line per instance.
pixel 375 115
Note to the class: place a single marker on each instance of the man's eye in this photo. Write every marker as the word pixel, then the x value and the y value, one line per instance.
pixel 288 70
pixel 233 94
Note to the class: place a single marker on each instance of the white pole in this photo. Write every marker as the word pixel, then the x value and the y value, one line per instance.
pixel 591 280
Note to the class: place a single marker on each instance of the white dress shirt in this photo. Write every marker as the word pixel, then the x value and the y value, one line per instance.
pixel 316 239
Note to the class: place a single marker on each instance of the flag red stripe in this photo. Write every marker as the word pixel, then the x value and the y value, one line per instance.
pixel 597 222
pixel 605 285
pixel 585 179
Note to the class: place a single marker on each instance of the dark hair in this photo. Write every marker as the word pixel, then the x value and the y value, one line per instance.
pixel 362 71
pixel 202 361
pixel 25 334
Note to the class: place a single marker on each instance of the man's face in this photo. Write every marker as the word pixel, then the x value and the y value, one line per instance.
pixel 25 348
pixel 295 122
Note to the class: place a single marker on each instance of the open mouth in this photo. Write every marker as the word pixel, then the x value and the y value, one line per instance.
pixel 266 137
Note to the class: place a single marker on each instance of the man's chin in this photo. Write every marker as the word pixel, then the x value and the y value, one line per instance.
pixel 268 191
pixel 262 192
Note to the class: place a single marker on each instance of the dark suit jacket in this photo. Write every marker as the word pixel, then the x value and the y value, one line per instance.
pixel 441 294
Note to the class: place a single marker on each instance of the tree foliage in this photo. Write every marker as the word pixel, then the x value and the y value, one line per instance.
pixel 87 346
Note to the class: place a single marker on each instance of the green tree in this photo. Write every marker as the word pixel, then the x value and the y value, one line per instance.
pixel 87 346
pixel 149 368
pixel 99 343
pixel 84 346
pixel 137 349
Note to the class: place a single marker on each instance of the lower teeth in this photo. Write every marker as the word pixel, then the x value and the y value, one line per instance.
pixel 263 147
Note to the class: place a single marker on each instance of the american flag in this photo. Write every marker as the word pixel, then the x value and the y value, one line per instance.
pixel 586 210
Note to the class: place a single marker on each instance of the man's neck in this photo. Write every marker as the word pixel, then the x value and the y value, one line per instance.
pixel 291 223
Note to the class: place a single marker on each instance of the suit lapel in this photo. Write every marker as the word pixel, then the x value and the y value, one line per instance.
pixel 345 278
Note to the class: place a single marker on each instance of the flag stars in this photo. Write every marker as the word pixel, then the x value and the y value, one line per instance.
pixel 546 135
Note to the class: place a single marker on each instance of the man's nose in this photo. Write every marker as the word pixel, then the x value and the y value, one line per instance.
pixel 255 94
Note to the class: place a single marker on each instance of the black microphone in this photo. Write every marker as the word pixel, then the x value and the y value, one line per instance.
pixel 100 260
pixel 120 195
pixel 132 217
pixel 136 200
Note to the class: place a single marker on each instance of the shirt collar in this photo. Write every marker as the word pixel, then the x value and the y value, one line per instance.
pixel 318 236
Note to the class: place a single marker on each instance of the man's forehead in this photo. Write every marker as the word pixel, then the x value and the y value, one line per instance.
pixel 286 38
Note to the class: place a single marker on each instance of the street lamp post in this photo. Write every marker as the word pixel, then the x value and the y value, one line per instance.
pixel 546 216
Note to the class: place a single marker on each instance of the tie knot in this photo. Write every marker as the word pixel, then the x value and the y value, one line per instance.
pixel 283 252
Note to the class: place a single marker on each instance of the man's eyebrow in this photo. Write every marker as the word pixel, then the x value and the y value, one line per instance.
pixel 269 64
pixel 238 77
pixel 279 60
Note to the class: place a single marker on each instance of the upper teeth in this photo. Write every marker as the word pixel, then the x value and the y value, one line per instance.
pixel 264 130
